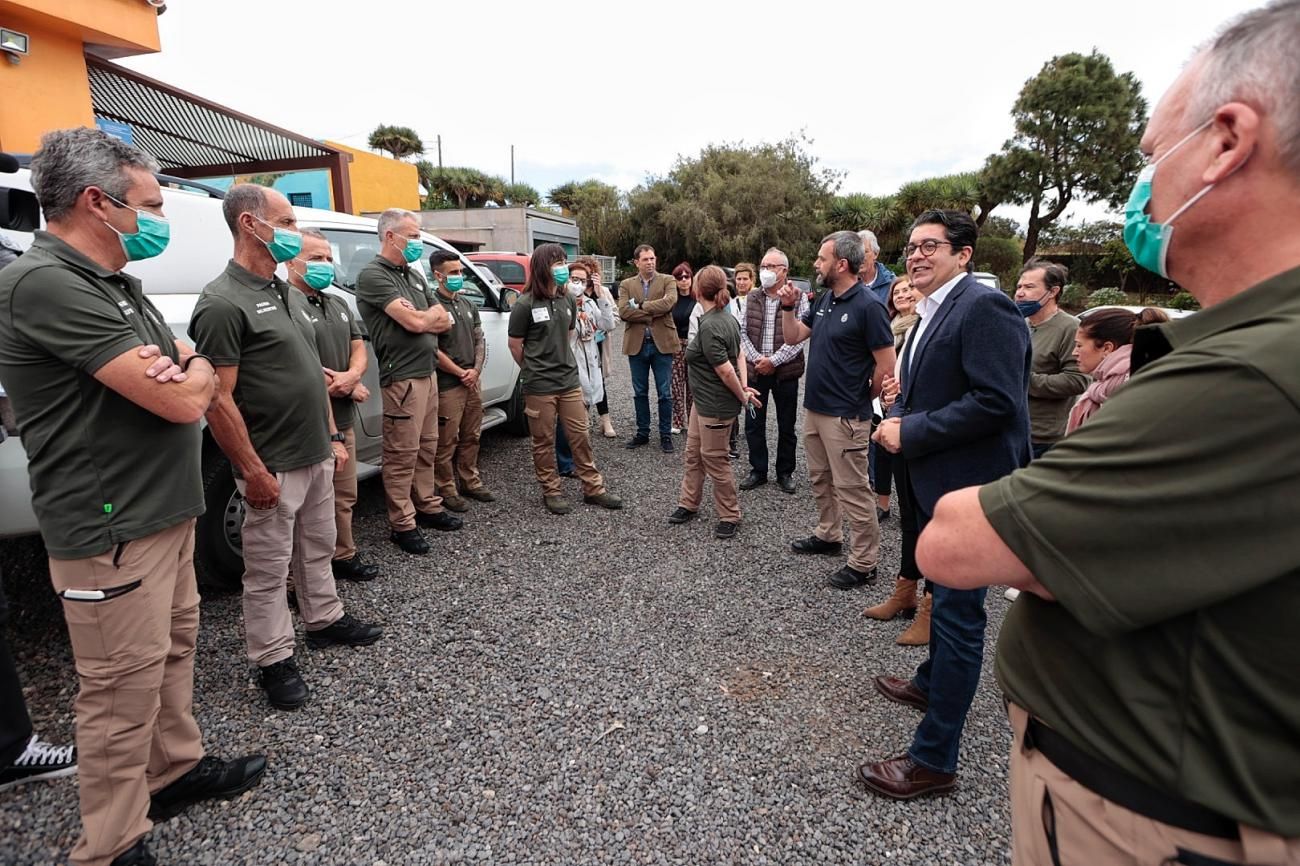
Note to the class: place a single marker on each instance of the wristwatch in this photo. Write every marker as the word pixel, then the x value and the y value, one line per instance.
pixel 788 308
pixel 337 437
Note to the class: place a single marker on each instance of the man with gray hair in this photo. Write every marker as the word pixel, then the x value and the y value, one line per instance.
pixel 850 348
pixel 108 401
pixel 403 317
pixel 875 276
pixel 1151 677
pixel 271 416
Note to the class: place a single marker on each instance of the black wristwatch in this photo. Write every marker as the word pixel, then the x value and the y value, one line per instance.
pixel 788 309
pixel 337 437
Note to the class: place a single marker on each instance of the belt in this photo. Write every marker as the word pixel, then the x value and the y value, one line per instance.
pixel 1124 789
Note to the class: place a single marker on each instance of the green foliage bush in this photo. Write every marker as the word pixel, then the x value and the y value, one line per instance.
pixel 1184 301
pixel 1107 297
pixel 1074 296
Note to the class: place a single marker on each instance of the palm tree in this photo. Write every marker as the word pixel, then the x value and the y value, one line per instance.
pixel 400 141
pixel 522 195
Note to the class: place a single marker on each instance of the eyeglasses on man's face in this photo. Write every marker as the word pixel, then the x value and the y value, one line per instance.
pixel 928 247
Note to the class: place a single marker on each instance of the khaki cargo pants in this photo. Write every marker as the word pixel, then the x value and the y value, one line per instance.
pixel 345 499
pixel 1055 820
pixel 134 653
pixel 410 450
pixel 460 419
pixel 542 410
pixel 837 466
pixel 707 443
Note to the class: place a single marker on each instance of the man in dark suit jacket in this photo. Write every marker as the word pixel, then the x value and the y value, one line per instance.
pixel 961 417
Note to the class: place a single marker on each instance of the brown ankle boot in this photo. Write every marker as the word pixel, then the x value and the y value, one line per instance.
pixel 918 633
pixel 901 603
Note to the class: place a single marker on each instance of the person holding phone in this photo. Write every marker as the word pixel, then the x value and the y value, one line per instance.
pixel 719 385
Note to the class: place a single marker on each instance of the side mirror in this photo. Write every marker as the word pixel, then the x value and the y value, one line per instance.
pixel 508 298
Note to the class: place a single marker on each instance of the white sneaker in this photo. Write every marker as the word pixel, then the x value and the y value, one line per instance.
pixel 1011 594
pixel 40 760
pixel 676 430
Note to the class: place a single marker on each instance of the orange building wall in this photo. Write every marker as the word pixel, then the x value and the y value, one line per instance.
pixel 379 182
pixel 47 89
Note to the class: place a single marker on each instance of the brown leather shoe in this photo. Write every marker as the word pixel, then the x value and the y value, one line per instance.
pixel 901 691
pixel 902 779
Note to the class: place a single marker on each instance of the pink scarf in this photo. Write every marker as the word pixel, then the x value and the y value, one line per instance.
pixel 1110 374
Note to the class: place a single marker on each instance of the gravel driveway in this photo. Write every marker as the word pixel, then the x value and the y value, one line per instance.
pixel 595 688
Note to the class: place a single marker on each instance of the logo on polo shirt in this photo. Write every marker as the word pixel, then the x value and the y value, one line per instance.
pixel 127 309
pixel 844 318
pixel 265 307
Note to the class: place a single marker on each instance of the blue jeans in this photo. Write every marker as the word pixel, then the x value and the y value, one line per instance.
pixel 650 358
pixel 563 453
pixel 951 674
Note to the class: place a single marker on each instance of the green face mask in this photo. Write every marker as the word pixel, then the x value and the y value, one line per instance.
pixel 318 275
pixel 149 238
pixel 284 244
pixel 413 250
pixel 455 282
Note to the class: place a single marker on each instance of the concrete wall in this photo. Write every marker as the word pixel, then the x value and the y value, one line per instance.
pixel 47 89
pixel 505 229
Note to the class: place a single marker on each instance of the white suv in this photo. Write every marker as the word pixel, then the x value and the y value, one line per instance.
pixel 198 251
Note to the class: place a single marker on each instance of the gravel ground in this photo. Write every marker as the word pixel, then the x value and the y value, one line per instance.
pixel 595 688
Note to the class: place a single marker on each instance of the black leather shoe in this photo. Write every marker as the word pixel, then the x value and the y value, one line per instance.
pixel 137 855
pixel 354 569
pixel 752 480
pixel 346 630
pixel 666 443
pixel 681 515
pixel 786 483
pixel 813 544
pixel 882 514
pixel 733 454
pixel 902 691
pixel 284 686
pixel 210 779
pixel 849 577
pixel 410 540
pixel 725 529
pixel 439 520
pixel 636 442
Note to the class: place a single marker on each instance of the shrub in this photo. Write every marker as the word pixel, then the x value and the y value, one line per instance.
pixel 1184 301
pixel 1073 296
pixel 1107 297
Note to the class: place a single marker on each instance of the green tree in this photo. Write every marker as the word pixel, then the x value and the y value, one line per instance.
pixel 1001 227
pixel 947 192
pixel 1115 256
pixel 999 256
pixel 601 214
pixel 399 141
pixel 733 201
pixel 522 195
pixel 1077 127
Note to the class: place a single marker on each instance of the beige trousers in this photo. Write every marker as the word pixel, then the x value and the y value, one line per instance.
pixel 460 419
pixel 837 467
pixel 410 450
pixel 1054 819
pixel 345 499
pixel 134 654
pixel 541 410
pixel 299 533
pixel 707 442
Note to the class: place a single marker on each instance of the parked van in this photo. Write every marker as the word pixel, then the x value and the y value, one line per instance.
pixel 510 268
pixel 199 249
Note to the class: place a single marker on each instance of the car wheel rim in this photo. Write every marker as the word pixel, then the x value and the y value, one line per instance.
pixel 232 524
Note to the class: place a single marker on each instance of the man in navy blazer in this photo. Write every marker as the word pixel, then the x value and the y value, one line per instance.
pixel 960 417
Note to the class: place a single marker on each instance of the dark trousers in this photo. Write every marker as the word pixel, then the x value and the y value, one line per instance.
pixel 15 723
pixel 642 363
pixel 908 524
pixel 880 466
pixel 786 396
pixel 1040 448
pixel 563 453
pixel 951 673
pixel 602 408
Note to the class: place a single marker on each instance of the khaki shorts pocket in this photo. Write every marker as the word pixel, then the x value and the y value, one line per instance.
pixel 532 413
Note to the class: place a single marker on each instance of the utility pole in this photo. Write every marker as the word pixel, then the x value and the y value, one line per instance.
pixel 439 153
pixel 512 165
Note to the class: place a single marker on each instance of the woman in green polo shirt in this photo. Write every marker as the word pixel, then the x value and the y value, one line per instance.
pixel 719 389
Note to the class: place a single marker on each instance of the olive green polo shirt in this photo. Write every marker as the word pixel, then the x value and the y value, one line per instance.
pixel 263 327
pixel 335 329
pixel 544 324
pixel 1168 535
pixel 716 342
pixel 458 342
pixel 103 470
pixel 1054 379
pixel 402 354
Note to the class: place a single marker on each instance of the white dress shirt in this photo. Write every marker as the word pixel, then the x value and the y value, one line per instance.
pixel 926 308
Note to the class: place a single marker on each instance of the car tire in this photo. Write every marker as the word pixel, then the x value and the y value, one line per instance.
pixel 218 553
pixel 516 421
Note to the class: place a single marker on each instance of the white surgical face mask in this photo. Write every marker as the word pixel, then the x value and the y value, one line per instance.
pixel 766 278
pixel 577 287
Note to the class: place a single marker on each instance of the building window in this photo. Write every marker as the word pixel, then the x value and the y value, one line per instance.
pixel 300 199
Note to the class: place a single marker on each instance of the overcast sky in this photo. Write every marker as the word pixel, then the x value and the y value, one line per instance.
pixel 888 92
